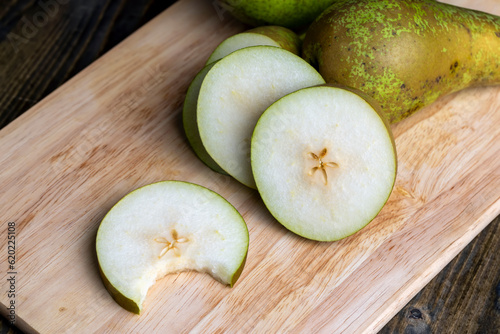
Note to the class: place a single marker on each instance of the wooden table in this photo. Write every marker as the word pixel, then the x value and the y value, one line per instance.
pixel 45 43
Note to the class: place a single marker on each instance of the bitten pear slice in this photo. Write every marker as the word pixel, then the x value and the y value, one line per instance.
pixel 168 227
pixel 324 161
pixel 233 95
pixel 267 35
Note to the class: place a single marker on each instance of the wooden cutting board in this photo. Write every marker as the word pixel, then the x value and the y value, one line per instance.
pixel 117 126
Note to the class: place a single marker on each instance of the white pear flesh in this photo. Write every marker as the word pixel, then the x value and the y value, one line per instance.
pixel 233 95
pixel 164 228
pixel 324 162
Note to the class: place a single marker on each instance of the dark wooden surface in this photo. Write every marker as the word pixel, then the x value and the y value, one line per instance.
pixel 44 43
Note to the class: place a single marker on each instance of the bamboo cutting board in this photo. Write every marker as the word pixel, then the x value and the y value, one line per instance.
pixel 117 126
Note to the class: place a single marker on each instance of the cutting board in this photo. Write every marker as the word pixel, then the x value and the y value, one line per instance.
pixel 116 126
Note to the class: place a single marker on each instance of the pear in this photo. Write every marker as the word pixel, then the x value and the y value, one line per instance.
pixel 267 35
pixel 286 13
pixel 190 120
pixel 233 95
pixel 168 227
pixel 324 161
pixel 276 36
pixel 404 53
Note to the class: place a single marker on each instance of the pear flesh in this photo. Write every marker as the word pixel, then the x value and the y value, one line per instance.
pixel 168 227
pixel 324 162
pixel 404 53
pixel 233 95
pixel 267 35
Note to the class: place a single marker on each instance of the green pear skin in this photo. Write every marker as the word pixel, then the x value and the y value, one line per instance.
pixel 266 35
pixel 404 53
pixel 286 38
pixel 293 14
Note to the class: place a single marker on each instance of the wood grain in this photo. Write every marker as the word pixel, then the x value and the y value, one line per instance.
pixel 463 298
pixel 116 126
pixel 45 45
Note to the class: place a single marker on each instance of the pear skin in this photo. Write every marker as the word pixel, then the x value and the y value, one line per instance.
pixel 189 120
pixel 266 35
pixel 404 53
pixel 292 14
pixel 286 38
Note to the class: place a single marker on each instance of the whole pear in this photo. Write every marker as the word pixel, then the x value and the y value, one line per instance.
pixel 286 13
pixel 404 53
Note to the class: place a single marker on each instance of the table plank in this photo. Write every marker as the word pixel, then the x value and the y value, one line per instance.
pixel 463 298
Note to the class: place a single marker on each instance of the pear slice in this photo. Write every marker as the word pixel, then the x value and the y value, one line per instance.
pixel 324 161
pixel 168 227
pixel 267 35
pixel 233 95
pixel 190 123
